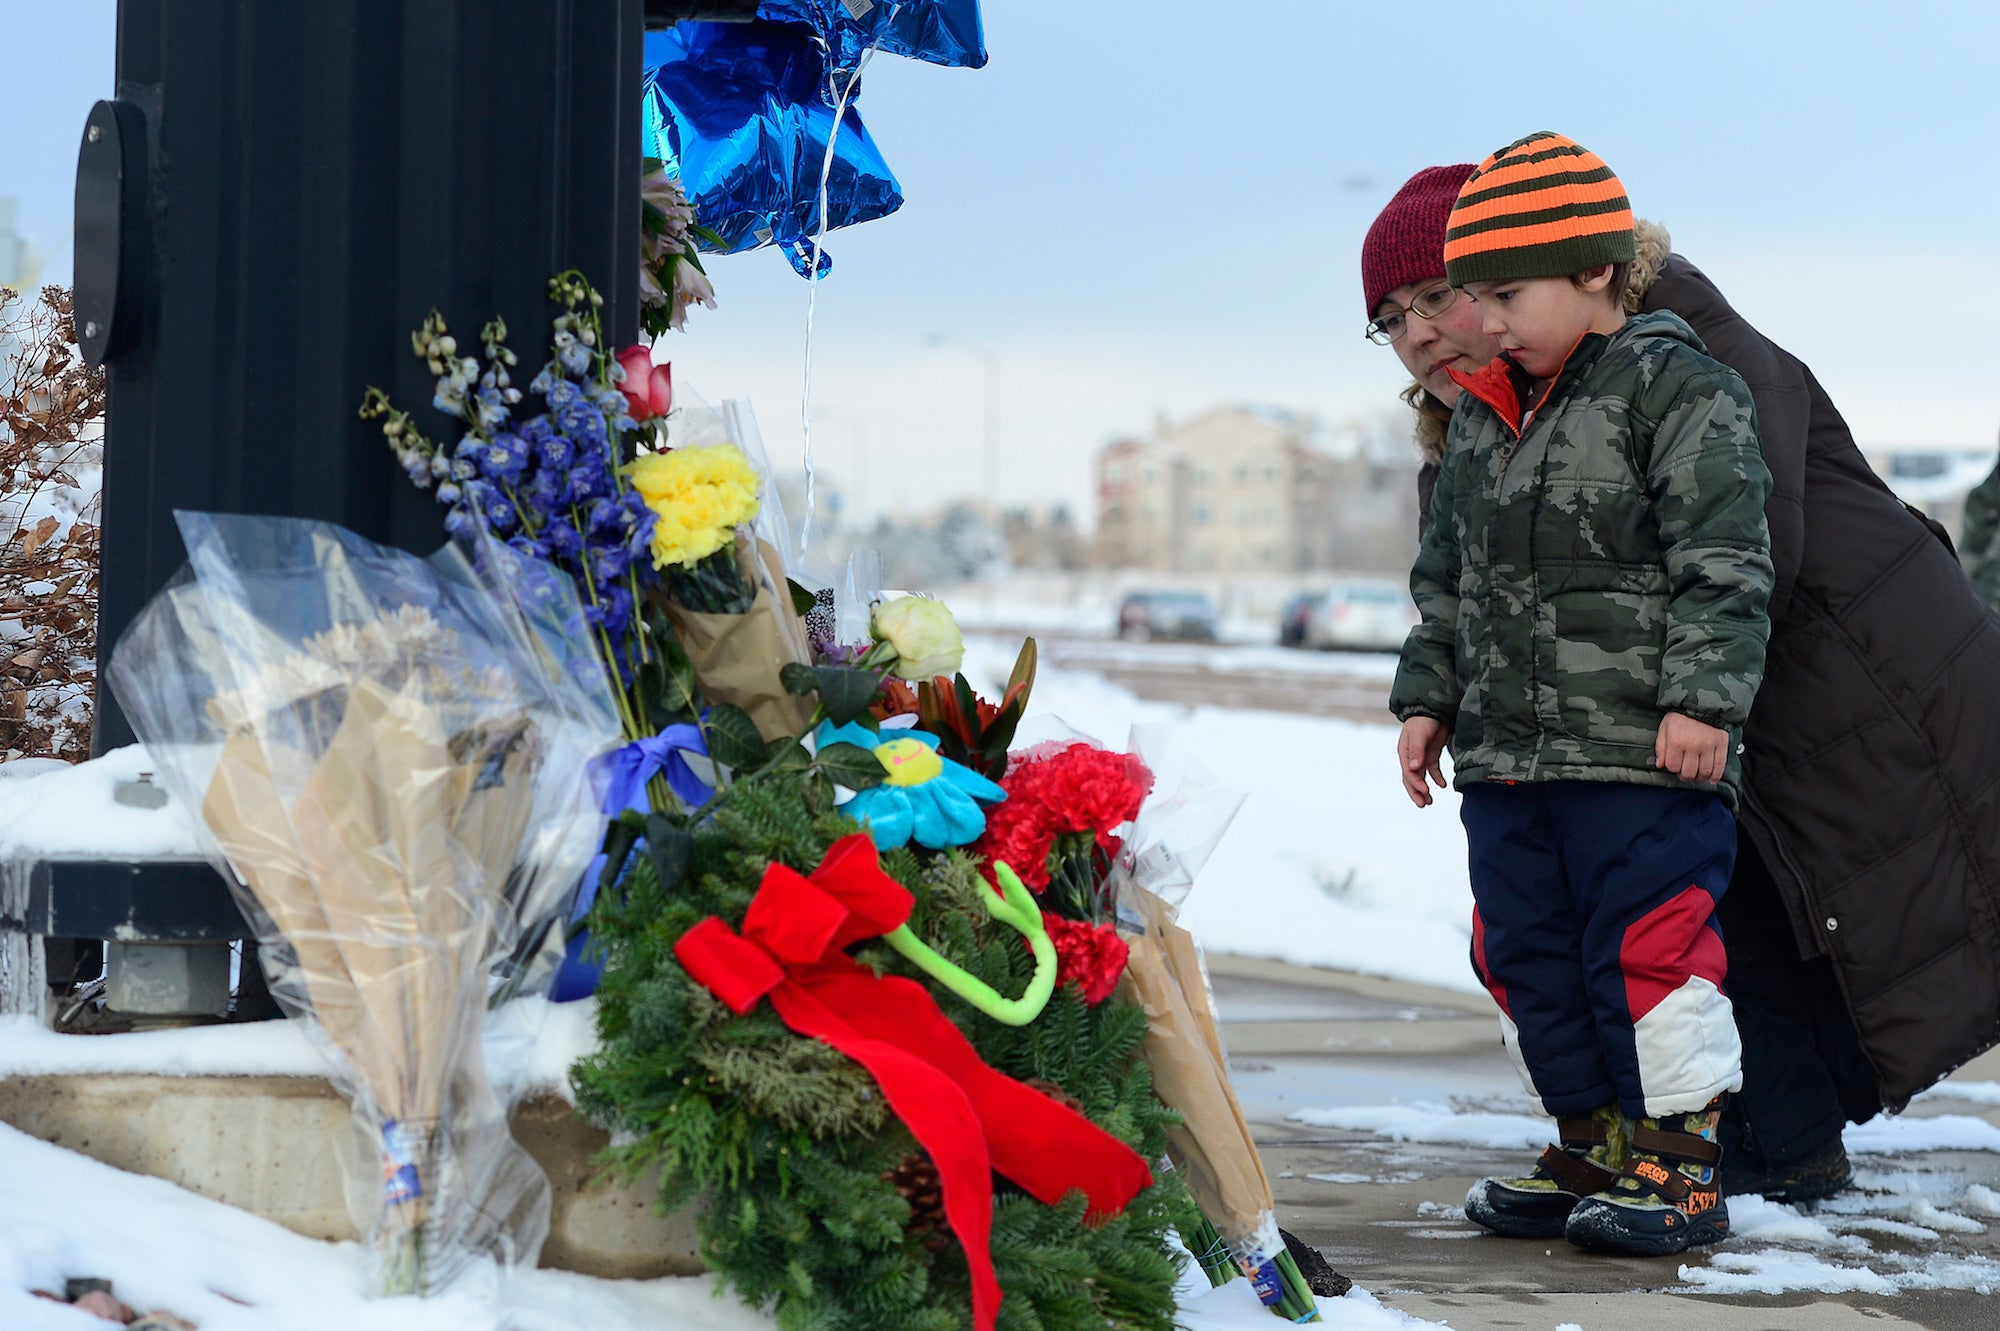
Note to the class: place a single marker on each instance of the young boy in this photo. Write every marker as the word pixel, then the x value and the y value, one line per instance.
pixel 1593 585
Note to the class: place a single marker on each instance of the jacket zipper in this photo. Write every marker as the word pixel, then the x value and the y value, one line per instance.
pixel 1520 430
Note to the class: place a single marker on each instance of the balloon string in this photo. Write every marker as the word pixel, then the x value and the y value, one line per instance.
pixel 812 270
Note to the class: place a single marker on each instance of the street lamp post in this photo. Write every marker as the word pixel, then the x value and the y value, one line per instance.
pixel 990 461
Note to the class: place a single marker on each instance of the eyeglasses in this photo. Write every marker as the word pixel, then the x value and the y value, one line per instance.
pixel 1429 304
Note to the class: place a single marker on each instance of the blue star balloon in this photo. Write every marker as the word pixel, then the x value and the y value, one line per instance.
pixel 735 110
pixel 943 32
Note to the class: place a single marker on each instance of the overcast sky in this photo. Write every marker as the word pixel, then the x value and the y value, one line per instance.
pixel 1153 206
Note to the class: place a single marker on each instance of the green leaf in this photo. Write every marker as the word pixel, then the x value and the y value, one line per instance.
pixel 846 691
pixel 786 755
pixel 968 703
pixel 733 738
pixel 798 678
pixel 817 792
pixel 851 765
pixel 669 845
pixel 999 732
pixel 802 598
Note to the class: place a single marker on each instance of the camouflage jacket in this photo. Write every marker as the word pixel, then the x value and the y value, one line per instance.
pixel 1593 563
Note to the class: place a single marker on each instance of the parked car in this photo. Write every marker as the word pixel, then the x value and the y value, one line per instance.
pixel 1294 617
pixel 1361 616
pixel 1145 616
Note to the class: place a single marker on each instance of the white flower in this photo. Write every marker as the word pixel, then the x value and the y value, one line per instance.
pixel 923 635
pixel 664 193
pixel 691 287
pixel 649 287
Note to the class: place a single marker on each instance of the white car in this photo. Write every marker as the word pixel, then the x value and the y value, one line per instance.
pixel 1361 617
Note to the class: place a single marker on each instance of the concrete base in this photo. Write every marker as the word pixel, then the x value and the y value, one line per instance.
pixel 268 1145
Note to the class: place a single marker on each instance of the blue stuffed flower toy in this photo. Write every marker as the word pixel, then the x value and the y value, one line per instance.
pixel 927 797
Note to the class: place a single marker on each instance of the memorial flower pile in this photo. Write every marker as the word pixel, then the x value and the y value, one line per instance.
pixel 862 987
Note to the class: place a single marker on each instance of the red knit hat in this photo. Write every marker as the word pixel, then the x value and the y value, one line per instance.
pixel 1406 242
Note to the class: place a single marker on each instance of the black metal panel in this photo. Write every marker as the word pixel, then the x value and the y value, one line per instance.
pixel 320 176
pixel 315 178
pixel 179 901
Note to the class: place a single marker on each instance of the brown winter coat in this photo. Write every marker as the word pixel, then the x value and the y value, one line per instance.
pixel 1872 755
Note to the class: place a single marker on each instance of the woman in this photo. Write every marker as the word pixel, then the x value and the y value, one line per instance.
pixel 1863 920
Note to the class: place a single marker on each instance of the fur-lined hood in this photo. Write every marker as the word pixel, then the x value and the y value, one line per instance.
pixel 1652 245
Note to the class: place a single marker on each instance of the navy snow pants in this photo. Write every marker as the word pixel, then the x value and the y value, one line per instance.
pixel 1594 929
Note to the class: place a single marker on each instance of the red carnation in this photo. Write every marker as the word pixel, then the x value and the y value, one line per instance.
pixel 1093 955
pixel 1072 789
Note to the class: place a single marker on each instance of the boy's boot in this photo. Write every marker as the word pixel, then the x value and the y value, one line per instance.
pixel 1585 1161
pixel 1666 1199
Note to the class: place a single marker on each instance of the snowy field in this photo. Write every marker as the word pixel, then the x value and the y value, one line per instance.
pixel 1326 864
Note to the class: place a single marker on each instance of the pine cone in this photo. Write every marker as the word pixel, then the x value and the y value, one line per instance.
pixel 1055 1093
pixel 916 1181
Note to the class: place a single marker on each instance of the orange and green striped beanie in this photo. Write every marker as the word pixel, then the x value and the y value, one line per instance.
pixel 1540 207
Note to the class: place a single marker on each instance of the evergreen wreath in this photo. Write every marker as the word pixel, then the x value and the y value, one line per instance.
pixel 817 1201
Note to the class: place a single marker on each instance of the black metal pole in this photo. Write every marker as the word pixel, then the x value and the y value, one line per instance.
pixel 305 182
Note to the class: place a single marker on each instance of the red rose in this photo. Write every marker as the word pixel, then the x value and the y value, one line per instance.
pixel 649 388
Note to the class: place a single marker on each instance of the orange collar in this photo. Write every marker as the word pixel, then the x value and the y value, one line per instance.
pixel 1499 385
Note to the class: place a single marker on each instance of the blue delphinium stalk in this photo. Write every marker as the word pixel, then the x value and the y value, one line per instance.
pixel 549 484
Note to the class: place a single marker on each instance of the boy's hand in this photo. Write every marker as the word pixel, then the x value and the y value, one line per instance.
pixel 1418 750
pixel 1692 750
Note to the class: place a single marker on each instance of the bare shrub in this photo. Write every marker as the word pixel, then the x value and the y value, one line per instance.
pixel 51 466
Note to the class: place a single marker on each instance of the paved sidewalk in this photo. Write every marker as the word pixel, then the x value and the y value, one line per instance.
pixel 1386 1214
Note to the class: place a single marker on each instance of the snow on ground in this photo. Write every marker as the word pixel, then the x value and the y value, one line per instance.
pixel 227 1270
pixel 1328 863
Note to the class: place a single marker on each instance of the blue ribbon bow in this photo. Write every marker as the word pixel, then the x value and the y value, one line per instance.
pixel 619 777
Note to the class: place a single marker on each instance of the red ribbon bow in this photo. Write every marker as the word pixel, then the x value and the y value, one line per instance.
pixel 970 1118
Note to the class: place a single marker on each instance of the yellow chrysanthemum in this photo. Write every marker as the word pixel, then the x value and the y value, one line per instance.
pixel 700 496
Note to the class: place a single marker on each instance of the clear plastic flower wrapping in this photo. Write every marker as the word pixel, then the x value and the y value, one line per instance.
pixel 388 753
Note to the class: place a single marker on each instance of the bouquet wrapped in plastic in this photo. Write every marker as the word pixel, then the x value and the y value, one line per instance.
pixel 389 754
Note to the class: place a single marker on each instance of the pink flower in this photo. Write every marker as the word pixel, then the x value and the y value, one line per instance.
pixel 648 387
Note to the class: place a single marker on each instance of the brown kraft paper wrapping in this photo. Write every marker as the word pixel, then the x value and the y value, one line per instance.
pixel 737 657
pixel 1211 1148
